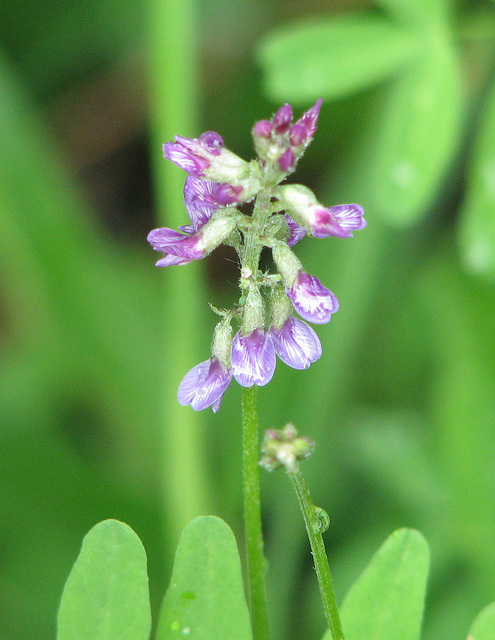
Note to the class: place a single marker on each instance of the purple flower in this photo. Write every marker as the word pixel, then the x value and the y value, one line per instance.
pixel 311 299
pixel 349 217
pixel 308 121
pixel 296 343
pixel 181 248
pixel 287 160
pixel 203 197
pixel 253 358
pixel 205 385
pixel 296 231
pixel 178 248
pixel 321 221
pixel 194 155
pixel 200 199
pixel 262 129
pixel 207 157
pixel 282 119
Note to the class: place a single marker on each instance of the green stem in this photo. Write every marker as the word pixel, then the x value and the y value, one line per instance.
pixel 252 514
pixel 173 83
pixel 325 582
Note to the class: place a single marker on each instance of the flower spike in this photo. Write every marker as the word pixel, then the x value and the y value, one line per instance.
pixel 218 182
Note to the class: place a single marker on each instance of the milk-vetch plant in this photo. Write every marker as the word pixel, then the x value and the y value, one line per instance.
pixel 247 206
pixel 279 216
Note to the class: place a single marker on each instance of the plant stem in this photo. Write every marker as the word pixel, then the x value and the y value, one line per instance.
pixel 252 514
pixel 325 582
pixel 173 83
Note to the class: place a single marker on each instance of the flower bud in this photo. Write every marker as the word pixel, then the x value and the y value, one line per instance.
pixel 222 341
pixel 288 264
pixel 217 229
pixel 285 448
pixel 254 310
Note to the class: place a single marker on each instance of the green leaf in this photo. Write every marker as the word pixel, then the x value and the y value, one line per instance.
pixel 205 599
pixel 386 601
pixel 334 57
pixel 106 595
pixel 415 137
pixel 421 12
pixel 477 221
pixel 483 627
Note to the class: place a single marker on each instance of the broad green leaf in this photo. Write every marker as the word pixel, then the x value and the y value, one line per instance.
pixel 205 599
pixel 415 137
pixel 477 221
pixel 421 12
pixel 106 595
pixel 483 627
pixel 386 602
pixel 334 57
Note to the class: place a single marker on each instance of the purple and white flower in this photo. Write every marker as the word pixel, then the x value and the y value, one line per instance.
pixel 321 221
pixel 312 301
pixel 207 157
pixel 181 248
pixel 253 358
pixel 349 217
pixel 296 231
pixel 194 155
pixel 178 248
pixel 296 343
pixel 204 385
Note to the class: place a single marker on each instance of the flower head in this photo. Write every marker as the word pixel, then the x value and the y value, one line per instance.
pixel 253 358
pixel 279 141
pixel 204 385
pixel 217 182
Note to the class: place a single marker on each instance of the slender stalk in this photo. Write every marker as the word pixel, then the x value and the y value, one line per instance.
pixel 173 84
pixel 252 514
pixel 325 582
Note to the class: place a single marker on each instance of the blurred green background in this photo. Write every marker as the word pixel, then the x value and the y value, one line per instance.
pixel 94 340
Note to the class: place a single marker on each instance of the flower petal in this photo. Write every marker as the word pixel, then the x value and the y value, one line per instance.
pixel 253 358
pixel 311 299
pixel 204 385
pixel 296 343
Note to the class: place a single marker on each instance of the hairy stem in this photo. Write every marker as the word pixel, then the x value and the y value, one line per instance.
pixel 252 514
pixel 313 527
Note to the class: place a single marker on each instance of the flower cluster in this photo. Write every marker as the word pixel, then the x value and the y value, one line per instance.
pixel 217 182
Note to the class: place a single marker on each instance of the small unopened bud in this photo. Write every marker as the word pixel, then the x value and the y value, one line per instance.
pixel 285 448
pixel 288 264
pixel 222 341
pixel 254 310
pixel 217 229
